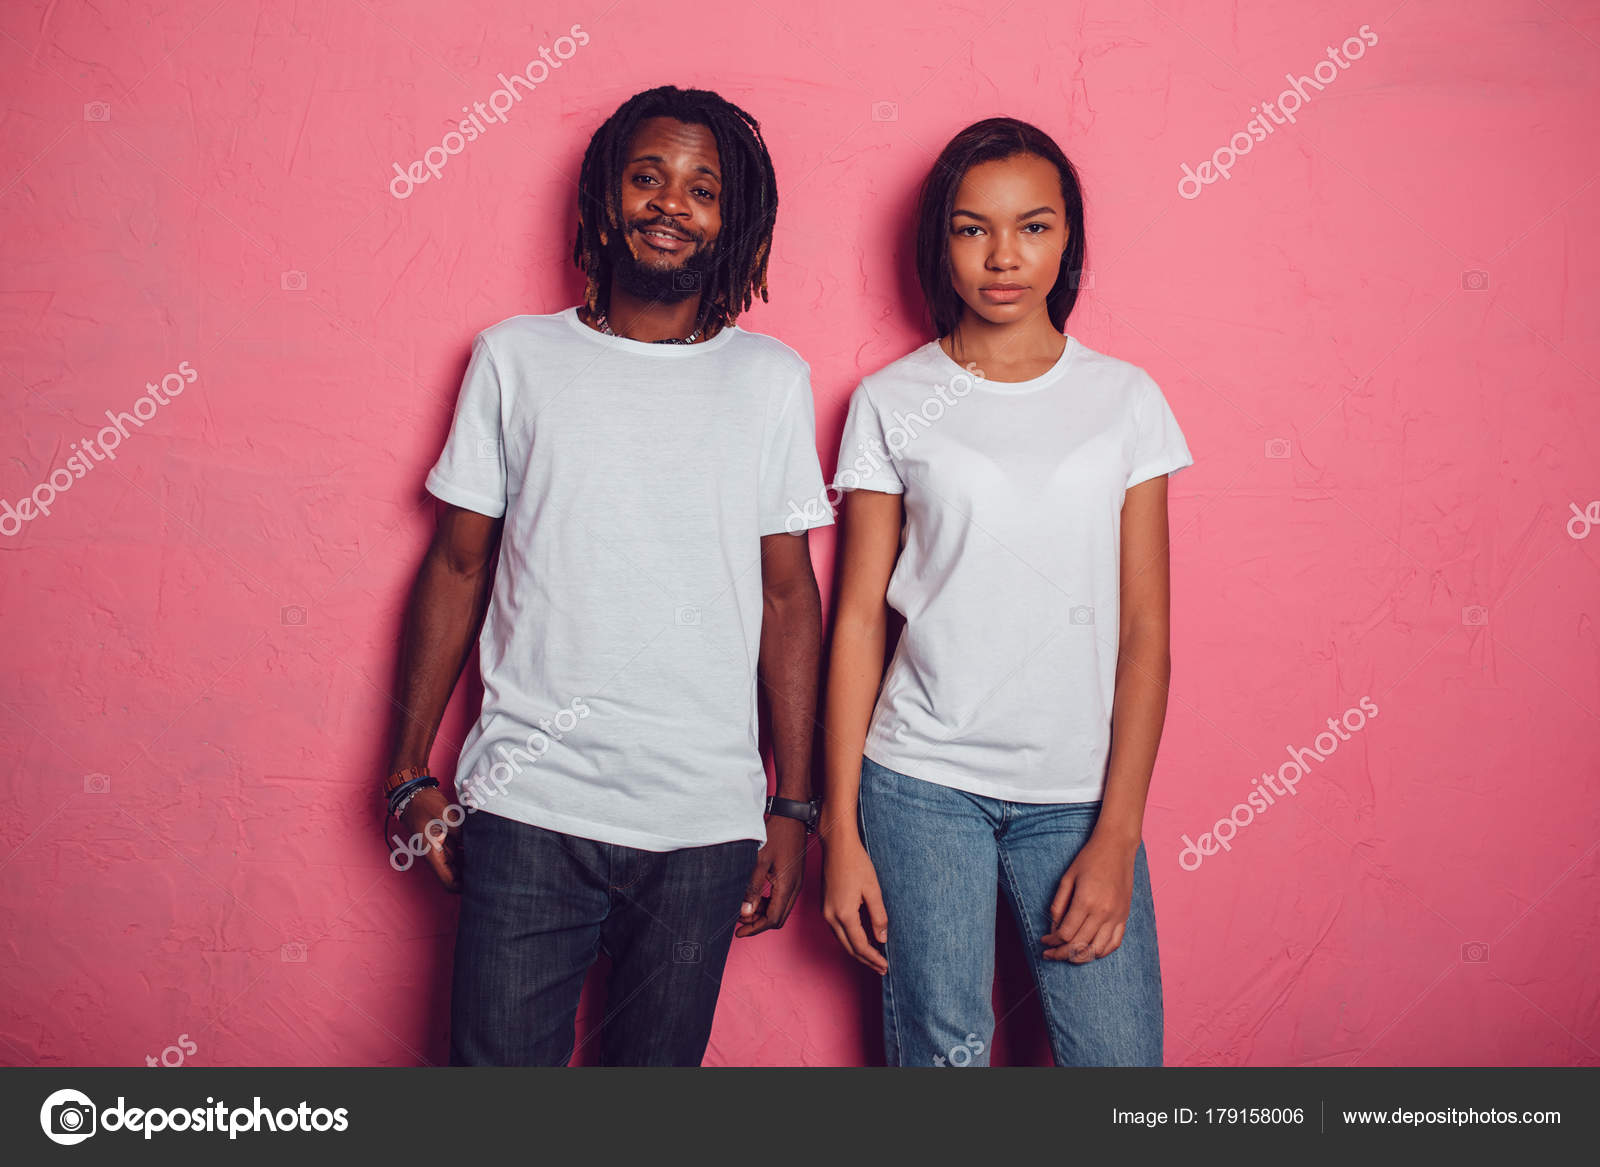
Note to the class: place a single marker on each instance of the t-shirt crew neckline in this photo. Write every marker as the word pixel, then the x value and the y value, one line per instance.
pixel 645 348
pixel 1051 375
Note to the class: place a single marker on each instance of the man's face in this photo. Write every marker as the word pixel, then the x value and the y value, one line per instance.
pixel 671 211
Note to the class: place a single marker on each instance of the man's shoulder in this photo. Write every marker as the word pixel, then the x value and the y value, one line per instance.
pixel 525 328
pixel 771 352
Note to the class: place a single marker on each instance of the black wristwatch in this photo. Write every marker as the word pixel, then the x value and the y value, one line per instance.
pixel 806 812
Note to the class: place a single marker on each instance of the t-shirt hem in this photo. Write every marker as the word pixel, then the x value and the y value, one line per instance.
pixel 1157 468
pixel 981 786
pixel 461 497
pixel 783 528
pixel 550 820
pixel 878 485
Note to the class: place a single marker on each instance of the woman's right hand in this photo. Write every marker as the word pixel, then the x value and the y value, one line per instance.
pixel 850 882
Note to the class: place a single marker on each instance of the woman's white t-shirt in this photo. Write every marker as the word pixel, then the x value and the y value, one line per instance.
pixel 1003 679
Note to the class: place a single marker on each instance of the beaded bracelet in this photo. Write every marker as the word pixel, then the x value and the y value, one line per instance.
pixel 404 794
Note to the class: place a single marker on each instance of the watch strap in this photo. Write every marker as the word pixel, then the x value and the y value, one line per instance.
pixel 806 812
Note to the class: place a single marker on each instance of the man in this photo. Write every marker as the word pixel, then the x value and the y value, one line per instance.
pixel 645 457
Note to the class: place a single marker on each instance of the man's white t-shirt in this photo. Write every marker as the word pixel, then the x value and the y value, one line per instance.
pixel 619 649
pixel 1003 679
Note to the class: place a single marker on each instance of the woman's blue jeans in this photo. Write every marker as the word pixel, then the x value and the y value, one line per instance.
pixel 940 853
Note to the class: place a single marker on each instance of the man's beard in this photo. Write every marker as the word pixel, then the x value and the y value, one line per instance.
pixel 664 285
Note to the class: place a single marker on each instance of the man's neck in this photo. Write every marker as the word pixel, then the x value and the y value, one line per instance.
pixel 650 320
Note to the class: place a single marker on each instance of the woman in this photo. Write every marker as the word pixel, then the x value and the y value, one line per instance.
pixel 1006 494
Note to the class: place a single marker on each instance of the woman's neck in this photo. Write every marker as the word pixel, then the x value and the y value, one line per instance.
pixel 1021 348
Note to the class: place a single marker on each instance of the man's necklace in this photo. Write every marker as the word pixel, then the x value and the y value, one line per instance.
pixel 605 326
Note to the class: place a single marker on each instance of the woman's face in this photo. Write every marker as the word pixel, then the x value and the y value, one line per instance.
pixel 1008 231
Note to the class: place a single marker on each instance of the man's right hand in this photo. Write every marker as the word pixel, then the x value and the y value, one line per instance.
pixel 423 818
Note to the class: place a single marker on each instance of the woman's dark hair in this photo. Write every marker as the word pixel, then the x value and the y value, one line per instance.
pixel 749 199
pixel 991 140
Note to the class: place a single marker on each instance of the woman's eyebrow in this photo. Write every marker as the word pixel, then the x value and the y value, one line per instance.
pixel 1024 215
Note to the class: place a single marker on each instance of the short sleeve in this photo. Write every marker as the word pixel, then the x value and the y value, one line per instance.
pixel 1158 445
pixel 865 462
pixel 471 472
pixel 791 493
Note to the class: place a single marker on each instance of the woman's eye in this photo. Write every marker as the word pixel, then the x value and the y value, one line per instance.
pixel 963 230
pixel 1042 228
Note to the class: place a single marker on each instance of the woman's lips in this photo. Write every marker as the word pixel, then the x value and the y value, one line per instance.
pixel 1003 295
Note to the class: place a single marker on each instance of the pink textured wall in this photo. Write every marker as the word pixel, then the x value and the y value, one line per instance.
pixel 1394 461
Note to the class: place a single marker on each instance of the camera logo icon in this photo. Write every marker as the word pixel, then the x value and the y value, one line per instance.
pixel 68 1117
pixel 686 281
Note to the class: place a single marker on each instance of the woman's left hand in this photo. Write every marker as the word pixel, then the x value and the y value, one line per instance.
pixel 1090 910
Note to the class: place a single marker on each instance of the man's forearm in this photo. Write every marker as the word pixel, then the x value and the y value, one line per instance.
pixel 791 649
pixel 442 619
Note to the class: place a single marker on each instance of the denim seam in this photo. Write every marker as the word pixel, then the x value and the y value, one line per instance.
pixel 1019 904
pixel 888 978
pixel 629 860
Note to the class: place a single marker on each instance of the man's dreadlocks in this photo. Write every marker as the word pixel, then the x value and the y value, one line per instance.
pixel 749 199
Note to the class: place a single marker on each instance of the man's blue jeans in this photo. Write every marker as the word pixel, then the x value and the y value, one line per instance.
pixel 939 855
pixel 537 907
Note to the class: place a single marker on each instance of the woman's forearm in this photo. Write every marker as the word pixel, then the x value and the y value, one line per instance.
pixel 855 673
pixel 1139 710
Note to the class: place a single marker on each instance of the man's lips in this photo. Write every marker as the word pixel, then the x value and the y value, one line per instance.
pixel 663 239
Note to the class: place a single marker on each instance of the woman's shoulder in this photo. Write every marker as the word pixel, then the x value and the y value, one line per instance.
pixel 1129 383
pixel 913 370
pixel 1113 370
